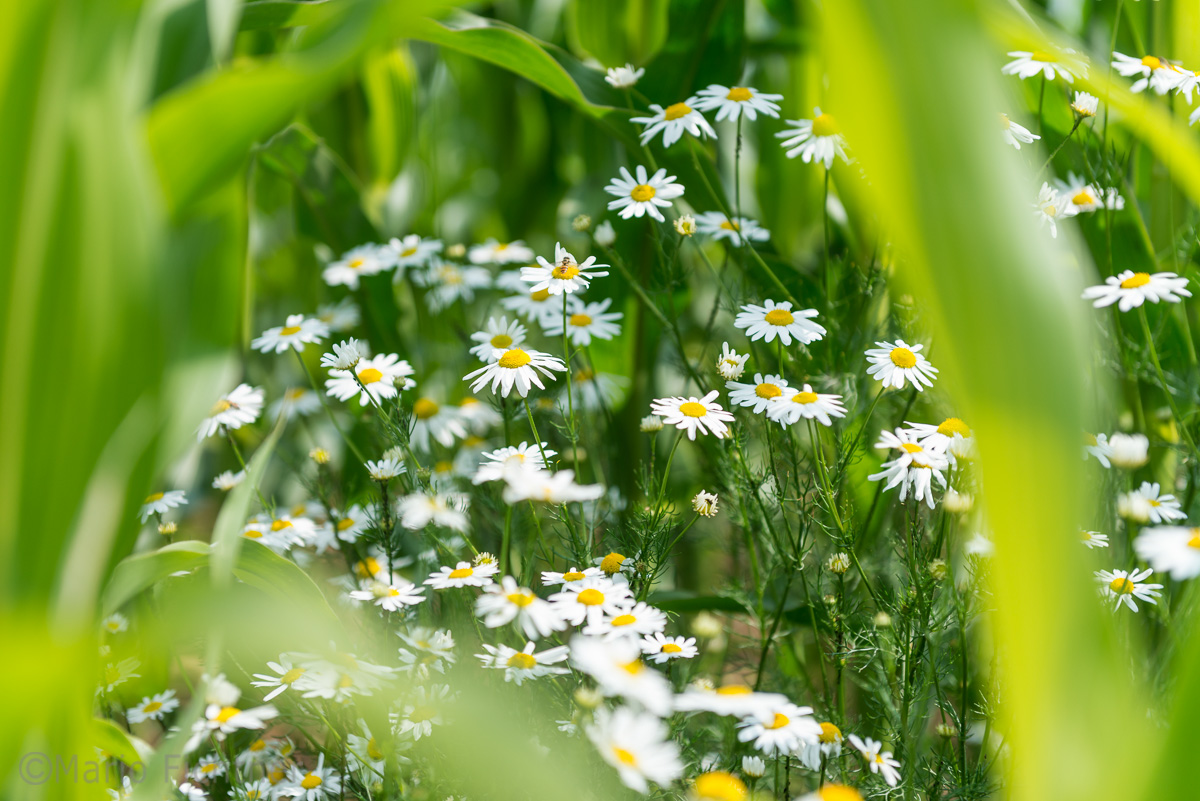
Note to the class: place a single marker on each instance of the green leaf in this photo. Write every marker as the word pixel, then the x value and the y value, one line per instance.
pixel 389 83
pixel 685 601
pixel 617 32
pixel 261 567
pixel 142 571
pixel 107 736
pixel 269 15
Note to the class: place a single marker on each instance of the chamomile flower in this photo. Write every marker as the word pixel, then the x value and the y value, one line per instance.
pixel 617 667
pixel 285 673
pixel 1094 539
pixel 1096 446
pixel 208 768
pixel 694 414
pixel 804 404
pixel 235 409
pixel 1027 64
pixel 374 379
pixel 644 194
pixel 498 334
pixel 494 252
pixel 659 648
pixel 341 316
pixel 515 368
pixel 424 711
pixel 615 564
pixel 117 673
pixel 1171 549
pixel 1079 193
pixel 218 721
pixel 512 459
pixel 447 509
pixel 1152 72
pixel 735 700
pixel 773 319
pixel 637 745
pixel 916 467
pixel 588 600
pixel 413 251
pixel 479 417
pixel 1015 134
pixel 828 744
pixel 624 77
pixel 447 282
pixel 879 761
pixel 733 101
pixel 705 503
pixel 360 261
pixel 586 321
pixel 316 784
pixel 115 623
pixel 159 503
pixel 227 480
pixel 731 364
pixel 565 275
pixel 759 395
pixel 297 331
pixel 552 579
pixel 1130 290
pixel 895 364
pixel 392 596
pixel 817 140
pixel 1161 508
pixel 435 422
pixel 781 729
pixel 718 226
pixel 1085 105
pixel 346 355
pixel 300 401
pixel 521 666
pixel 464 574
pixel 1123 587
pixel 634 621
pixel 536 307
pixel 153 707
pixel 432 649
pixel 1129 451
pixel 951 436
pixel 533 484
pixel 385 469
pixel 509 602
pixel 673 121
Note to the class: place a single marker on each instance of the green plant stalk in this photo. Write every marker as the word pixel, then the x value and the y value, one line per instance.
pixel 1162 380
pixel 328 410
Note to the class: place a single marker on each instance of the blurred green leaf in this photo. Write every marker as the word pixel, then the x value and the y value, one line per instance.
pixel 617 32
pixel 142 571
pixel 684 601
pixel 264 15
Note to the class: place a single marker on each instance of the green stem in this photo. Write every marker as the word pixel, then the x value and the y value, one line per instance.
pixel 328 409
pixel 1162 380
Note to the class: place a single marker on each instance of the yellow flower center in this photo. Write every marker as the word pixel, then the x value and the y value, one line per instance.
pixel 280 525
pixel 739 94
pixel 158 496
pixel 911 447
pixel 671 648
pixel 1194 542
pixel 521 599
pixel 1083 198
pixel 903 358
pixel 677 110
pixel 829 733
pixel 373 750
pixel 422 713
pixel 734 689
pixel 580 320
pixel 514 358
pixel 425 408
pixel 151 707
pixel 291 676
pixel 767 391
pixel 839 792
pixel 1121 586
pixel 1151 62
pixel 612 563
pixel 718 785
pixel 952 425
pixel 624 620
pixel 540 295
pixel 501 341
pixel 1050 211
pixel 573 575
pixel 780 721
pixel 461 572
pixel 730 225
pixel 825 125
pixel 522 662
pixel 633 668
pixel 370 375
pixel 693 409
pixel 590 597
pixel 252 534
pixel 226 714
pixel 344 524
pixel 407 252
pixel 275 776
pixel 258 745
pixel 288 330
pixel 210 767
pixel 310 781
pixel 624 757
pixel 642 192
pixel 779 317
pixel 1043 56
pixel 804 397
pixel 1136 280
pixel 221 406
pixel 367 567
pixel 565 271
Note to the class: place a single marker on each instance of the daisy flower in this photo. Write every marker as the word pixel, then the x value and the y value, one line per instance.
pixel 636 744
pixel 880 762
pixel 731 102
pixel 635 621
pixel 385 469
pixel 731 364
pixel 218 721
pixel 705 503
pixel 797 404
pixel 673 120
pixel 520 666
pixel 565 275
pixel 227 480
pixel 297 331
pixel 614 564
pixel 462 575
pixel 160 502
pixel 392 596
pixel 536 307
pixel 115 623
pixel 1171 549
pixel 586 321
pixel 552 579
pixel 312 785
pixel 494 252
pixel 1027 64
pixel 1016 134
pixel 659 648
pixel 208 768
pixel 431 650
pixel 532 484
pixel 346 354
pixel 377 378
pixel 295 401
pixel 478 417
pixel 718 226
pixel 1096 446
pixel 418 510
pixel 360 261
pixel 116 674
pixel 341 316
pixel 1094 539
pixel 498 334
pixel 1086 105
pixel 515 367
pixel 623 77
pixel 694 414
pixel 1079 193
pixel 828 744
pixel 286 673
pixel 643 195
pixel 817 140
pixel 951 436
pixel 447 282
pixel 780 730
pixel 433 421
pixel 736 700
pixel 773 319
pixel 153 707
pixel 617 667
pixel 1051 207
pixel 1130 290
pixel 718 785
pixel 1151 71
pixel 915 467
pixel 413 251
pixel 425 711
pixel 1129 451
pixel 588 600
pixel 508 601
pixel 1163 508
pixel 499 463
pixel 759 395
pixel 895 363
pixel 238 408
pixel 592 391
pixel 1124 586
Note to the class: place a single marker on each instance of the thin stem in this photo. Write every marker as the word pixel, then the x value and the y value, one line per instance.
pixel 667 471
pixel 1162 380
pixel 328 409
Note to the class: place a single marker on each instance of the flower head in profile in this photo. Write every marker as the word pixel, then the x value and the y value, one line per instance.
pixel 1123 587
pixel 528 663
pixel 731 364
pixel 1051 207
pixel 1015 134
pixel 585 322
pixel 624 77
pixel 346 354
pixel 497 334
pixel 895 364
pixel 386 468
pixel 447 509
pixel 1129 290
pixel 564 275
pixel 463 574
pixel 1063 64
pixel 914 469
pixel 730 102
pixel 1151 72
pixel 795 405
pixel 817 140
pixel 1085 105
pixel 534 484
pixel 673 121
pixel 159 503
pixel 771 320
pixel 1128 451
pixel 509 602
pixel 294 333
pixel 694 415
pixel 705 503
pixel 719 226
pixel 515 367
pixel 1170 549
pixel 878 760
pixel 233 410
pixel 643 194
pixel 360 261
pixel 1151 505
